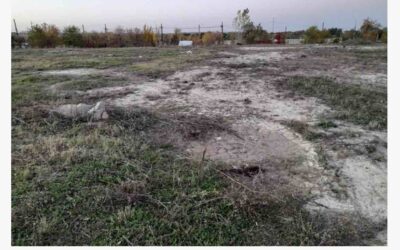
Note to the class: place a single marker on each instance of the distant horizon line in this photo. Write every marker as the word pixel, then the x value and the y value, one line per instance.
pixel 227 28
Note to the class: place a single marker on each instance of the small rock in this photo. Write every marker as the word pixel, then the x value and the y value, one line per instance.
pixel 104 116
pixel 98 112
pixel 82 110
pixel 73 110
pixel 247 101
pixel 195 133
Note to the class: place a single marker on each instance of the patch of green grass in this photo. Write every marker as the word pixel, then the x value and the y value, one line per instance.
pixel 303 129
pixel 165 65
pixel 32 88
pixel 326 124
pixel 27 89
pixel 352 102
pixel 84 83
pixel 376 55
pixel 107 184
pixel 57 59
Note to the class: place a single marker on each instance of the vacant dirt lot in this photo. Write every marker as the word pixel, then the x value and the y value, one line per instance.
pixel 257 145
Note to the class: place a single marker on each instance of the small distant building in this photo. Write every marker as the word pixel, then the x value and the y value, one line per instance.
pixel 185 43
pixel 279 38
pixel 228 42
pixel 294 41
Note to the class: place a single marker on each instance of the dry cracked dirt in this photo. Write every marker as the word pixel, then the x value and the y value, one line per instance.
pixel 293 141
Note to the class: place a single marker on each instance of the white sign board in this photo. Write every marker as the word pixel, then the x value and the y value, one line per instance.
pixel 185 43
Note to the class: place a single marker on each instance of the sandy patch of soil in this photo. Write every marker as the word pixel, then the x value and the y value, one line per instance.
pixel 72 72
pixel 256 140
pixel 254 58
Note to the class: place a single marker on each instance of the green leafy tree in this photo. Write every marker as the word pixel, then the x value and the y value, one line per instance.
pixel 351 34
pixel 246 28
pixel 314 35
pixel 176 36
pixel 37 37
pixel 311 35
pixel 335 32
pixel 242 22
pixel 72 36
pixel 383 35
pixel 254 34
pixel 44 36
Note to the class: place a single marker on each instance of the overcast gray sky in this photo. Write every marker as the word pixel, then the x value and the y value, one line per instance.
pixel 295 14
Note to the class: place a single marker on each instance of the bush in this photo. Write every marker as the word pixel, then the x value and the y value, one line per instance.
pixel 370 30
pixel 95 40
pixel 384 35
pixel 196 40
pixel 209 38
pixel 336 32
pixel 16 40
pixel 44 36
pixel 351 34
pixel 149 37
pixel 72 37
pixel 134 37
pixel 254 34
pixel 176 37
pixel 314 35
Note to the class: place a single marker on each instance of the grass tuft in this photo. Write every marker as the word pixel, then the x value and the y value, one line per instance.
pixel 352 102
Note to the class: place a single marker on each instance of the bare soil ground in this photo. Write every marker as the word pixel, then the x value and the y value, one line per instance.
pixel 287 121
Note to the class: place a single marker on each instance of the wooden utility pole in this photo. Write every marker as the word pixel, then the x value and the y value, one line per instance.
pixel 222 32
pixel 199 32
pixel 107 37
pixel 162 39
pixel 16 29
pixel 284 38
pixel 83 28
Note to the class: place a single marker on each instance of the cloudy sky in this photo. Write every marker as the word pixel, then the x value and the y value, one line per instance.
pixel 295 14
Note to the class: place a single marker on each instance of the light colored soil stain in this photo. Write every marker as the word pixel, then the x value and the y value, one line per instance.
pixel 257 140
pixel 72 72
